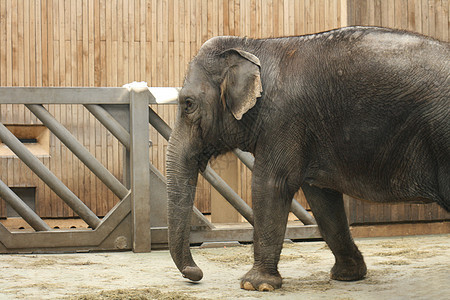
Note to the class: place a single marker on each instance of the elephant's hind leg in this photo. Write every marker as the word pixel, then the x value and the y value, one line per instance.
pixel 444 186
pixel 328 209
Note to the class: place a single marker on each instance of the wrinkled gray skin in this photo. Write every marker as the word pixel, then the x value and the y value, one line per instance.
pixel 360 111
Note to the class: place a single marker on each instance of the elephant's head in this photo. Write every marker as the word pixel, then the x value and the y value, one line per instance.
pixel 221 85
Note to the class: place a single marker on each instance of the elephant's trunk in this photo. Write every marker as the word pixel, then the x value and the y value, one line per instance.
pixel 182 173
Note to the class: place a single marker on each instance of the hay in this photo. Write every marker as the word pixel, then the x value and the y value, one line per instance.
pixel 234 256
pixel 138 294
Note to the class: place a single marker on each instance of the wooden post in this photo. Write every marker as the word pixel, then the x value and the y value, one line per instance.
pixel 140 171
pixel 226 167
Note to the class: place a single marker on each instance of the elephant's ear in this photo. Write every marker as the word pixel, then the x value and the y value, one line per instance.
pixel 241 85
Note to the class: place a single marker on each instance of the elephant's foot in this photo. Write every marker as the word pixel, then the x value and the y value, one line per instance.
pixel 351 269
pixel 260 281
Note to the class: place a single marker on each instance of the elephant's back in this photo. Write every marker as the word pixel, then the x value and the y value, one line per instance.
pixel 409 53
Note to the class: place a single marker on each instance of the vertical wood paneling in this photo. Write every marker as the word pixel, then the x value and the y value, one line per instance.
pixel 110 43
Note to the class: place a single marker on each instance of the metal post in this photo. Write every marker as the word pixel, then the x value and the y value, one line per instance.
pixel 110 123
pixel 22 209
pixel 120 133
pixel 296 208
pixel 79 150
pixel 302 214
pixel 159 124
pixel 140 171
pixel 48 177
pixel 228 193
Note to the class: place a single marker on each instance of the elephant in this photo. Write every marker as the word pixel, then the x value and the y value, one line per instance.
pixel 361 111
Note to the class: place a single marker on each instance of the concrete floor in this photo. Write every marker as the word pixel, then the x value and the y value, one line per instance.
pixel 415 267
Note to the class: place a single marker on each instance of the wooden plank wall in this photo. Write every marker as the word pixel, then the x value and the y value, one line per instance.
pixel 113 42
pixel 110 43
pixel 429 17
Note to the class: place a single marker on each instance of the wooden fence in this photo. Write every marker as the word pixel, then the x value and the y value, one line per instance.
pixel 110 43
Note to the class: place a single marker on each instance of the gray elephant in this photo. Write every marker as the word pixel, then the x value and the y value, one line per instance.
pixel 363 111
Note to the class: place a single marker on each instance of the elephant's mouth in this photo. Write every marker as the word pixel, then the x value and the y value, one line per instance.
pixel 205 156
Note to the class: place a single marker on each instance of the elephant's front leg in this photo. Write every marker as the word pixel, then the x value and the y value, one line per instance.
pixel 271 205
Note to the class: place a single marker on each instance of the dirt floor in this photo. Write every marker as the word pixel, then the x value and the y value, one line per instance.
pixel 415 267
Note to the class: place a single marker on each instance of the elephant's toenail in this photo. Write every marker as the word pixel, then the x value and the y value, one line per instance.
pixel 265 287
pixel 248 286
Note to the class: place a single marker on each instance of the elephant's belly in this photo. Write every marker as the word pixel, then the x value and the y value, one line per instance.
pixel 371 189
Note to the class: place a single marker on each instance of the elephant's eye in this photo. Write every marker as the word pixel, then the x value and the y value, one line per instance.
pixel 189 106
